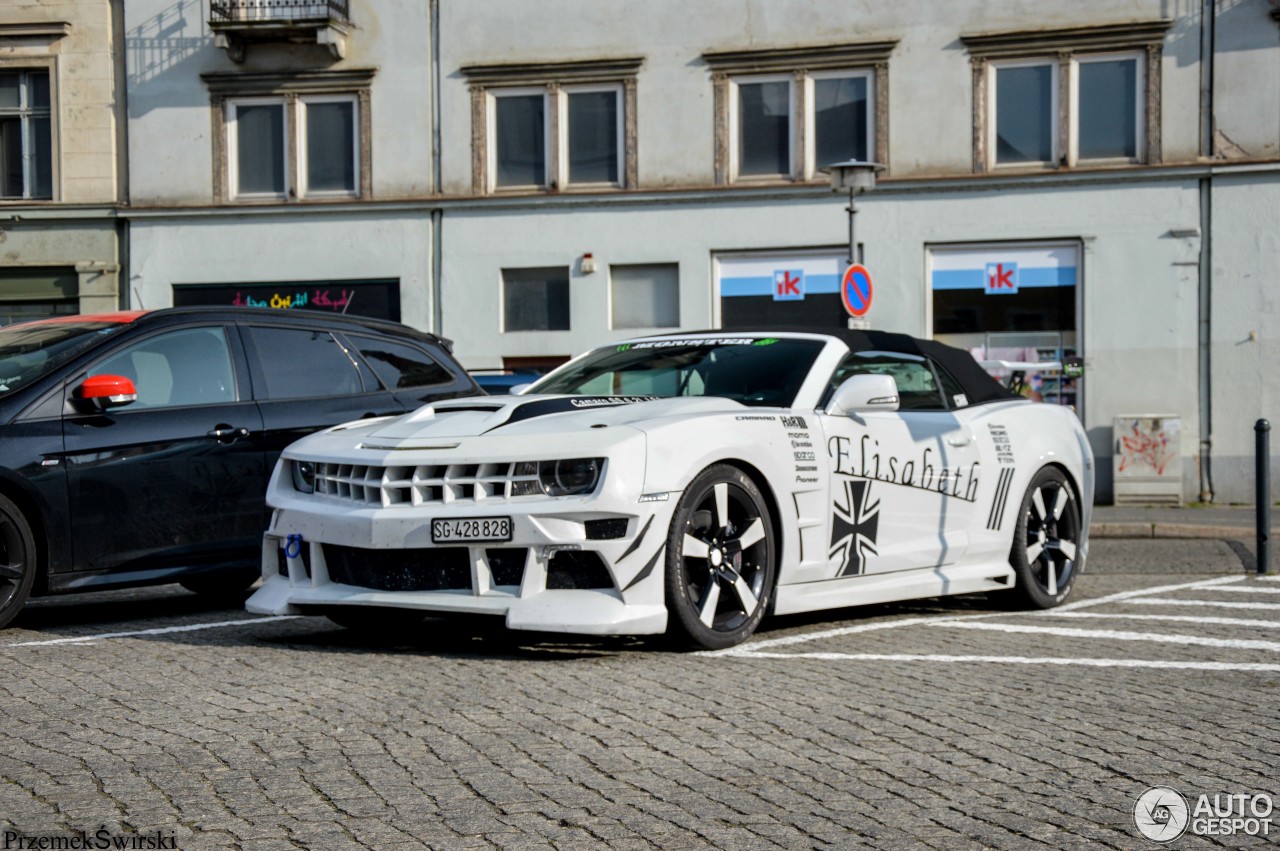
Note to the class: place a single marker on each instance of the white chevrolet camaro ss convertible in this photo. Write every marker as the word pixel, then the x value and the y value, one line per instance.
pixel 688 484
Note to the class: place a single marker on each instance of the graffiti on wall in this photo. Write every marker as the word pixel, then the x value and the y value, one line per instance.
pixel 1146 445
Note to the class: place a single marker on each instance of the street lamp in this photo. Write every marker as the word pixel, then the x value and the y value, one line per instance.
pixel 853 176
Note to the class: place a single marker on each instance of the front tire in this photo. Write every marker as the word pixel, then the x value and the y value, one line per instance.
pixel 721 560
pixel 17 561
pixel 1046 541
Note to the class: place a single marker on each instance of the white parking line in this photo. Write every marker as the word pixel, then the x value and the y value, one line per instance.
pixel 1121 635
pixel 1249 589
pixel 1146 592
pixel 1258 623
pixel 1216 604
pixel 1024 660
pixel 762 649
pixel 195 627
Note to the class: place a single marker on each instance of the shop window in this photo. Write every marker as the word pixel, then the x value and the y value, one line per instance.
pixel 26 137
pixel 535 299
pixel 1067 97
pixel 645 296
pixel 788 113
pixel 289 137
pixel 558 126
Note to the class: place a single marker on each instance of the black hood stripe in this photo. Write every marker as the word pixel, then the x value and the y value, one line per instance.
pixel 564 404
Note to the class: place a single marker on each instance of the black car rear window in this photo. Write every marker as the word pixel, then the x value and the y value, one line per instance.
pixel 34 349
pixel 399 365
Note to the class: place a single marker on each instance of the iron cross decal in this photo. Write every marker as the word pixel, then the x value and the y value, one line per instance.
pixel 853 528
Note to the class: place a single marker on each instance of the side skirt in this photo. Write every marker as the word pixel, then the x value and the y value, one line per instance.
pixel 890 587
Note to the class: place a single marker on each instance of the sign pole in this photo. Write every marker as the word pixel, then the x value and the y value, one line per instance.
pixel 853 244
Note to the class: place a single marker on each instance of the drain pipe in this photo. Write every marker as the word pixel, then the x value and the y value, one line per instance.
pixel 1205 287
pixel 437 214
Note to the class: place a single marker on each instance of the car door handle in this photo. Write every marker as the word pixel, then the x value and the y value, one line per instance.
pixel 959 440
pixel 224 433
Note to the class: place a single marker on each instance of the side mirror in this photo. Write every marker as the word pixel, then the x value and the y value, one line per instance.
pixel 519 388
pixel 864 393
pixel 107 391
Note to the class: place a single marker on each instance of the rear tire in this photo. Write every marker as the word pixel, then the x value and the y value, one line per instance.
pixel 1045 551
pixel 721 560
pixel 18 561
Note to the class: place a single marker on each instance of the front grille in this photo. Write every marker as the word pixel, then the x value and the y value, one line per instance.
pixel 429 569
pixel 434 569
pixel 428 483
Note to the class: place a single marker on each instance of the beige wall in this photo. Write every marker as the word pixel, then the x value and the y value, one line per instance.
pixel 74 39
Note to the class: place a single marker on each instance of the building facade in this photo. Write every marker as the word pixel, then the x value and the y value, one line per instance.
pixel 1097 179
pixel 61 159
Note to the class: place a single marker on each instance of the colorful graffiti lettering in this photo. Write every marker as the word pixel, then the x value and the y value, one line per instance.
pixel 320 299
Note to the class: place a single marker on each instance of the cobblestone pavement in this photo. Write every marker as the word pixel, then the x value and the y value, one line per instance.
pixel 945 724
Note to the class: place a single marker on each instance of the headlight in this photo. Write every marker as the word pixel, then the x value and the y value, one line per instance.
pixel 304 476
pixel 571 477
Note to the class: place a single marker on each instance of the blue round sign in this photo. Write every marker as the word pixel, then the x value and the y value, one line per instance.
pixel 855 290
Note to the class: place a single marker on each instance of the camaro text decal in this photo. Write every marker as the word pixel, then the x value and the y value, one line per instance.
pixel 866 462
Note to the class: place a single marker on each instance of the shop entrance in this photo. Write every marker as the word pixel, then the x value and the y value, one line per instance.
pixel 1012 302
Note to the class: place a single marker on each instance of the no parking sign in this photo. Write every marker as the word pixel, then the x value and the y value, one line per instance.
pixel 855 290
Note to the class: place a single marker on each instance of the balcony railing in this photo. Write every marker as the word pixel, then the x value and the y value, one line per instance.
pixel 277 11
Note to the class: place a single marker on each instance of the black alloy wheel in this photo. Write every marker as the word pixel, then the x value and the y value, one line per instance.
pixel 17 561
pixel 1045 553
pixel 721 557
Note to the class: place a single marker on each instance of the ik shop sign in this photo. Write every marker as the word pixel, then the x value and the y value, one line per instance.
pixel 1002 278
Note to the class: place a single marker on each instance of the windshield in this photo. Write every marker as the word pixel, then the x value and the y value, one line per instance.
pixel 33 349
pixel 765 371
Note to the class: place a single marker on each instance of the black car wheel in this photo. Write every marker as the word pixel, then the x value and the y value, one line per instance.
pixel 1046 541
pixel 720 560
pixel 17 561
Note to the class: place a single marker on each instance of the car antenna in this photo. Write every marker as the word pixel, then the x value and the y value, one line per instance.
pixel 349 300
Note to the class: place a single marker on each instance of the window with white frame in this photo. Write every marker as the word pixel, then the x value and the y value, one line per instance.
pixel 327 150
pixel 1067 97
pixel 26 137
pixel 837 123
pixel 786 114
pixel 292 137
pixel 843 117
pixel 552 127
pixel 562 137
pixel 1104 112
pixel 1025 113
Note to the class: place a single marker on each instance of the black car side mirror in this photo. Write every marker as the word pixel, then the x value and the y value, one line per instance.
pixel 107 391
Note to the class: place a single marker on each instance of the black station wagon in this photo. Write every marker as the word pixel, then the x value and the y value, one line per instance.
pixel 135 447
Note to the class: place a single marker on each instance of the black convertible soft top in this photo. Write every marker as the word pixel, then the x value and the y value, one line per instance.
pixel 978 385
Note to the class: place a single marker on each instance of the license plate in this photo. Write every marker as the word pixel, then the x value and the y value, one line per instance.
pixel 471 529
